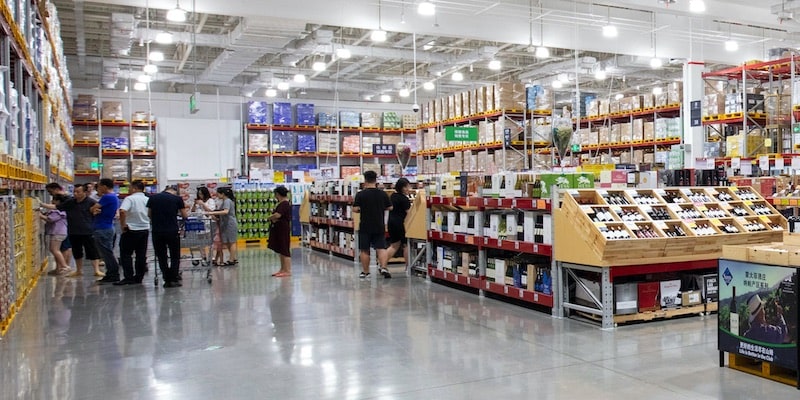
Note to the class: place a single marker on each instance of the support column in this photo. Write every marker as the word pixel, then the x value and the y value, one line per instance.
pixel 693 136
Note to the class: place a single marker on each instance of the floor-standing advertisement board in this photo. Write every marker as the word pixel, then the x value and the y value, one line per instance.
pixel 758 312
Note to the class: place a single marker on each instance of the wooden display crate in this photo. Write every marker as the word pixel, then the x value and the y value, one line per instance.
pixel 588 246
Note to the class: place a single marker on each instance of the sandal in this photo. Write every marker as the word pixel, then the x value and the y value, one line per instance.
pixel 281 274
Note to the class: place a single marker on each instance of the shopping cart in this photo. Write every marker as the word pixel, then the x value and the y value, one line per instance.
pixel 196 237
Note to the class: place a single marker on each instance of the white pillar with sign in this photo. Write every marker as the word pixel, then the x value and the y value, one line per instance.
pixel 693 132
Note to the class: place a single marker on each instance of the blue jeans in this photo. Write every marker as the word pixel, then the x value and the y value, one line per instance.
pixel 104 238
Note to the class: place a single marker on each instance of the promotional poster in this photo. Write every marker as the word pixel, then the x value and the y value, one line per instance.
pixel 758 312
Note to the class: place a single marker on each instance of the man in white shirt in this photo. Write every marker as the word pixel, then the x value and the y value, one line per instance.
pixel 135 231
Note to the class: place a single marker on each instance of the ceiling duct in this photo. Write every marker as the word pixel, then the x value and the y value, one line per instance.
pixel 111 72
pixel 122 28
pixel 247 43
pixel 481 54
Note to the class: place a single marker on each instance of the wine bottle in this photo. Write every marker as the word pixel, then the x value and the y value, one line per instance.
pixel 734 314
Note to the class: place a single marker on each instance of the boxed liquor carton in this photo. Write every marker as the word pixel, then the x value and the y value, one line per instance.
pixel 648 296
pixel 670 293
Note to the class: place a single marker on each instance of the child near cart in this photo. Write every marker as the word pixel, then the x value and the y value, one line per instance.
pixel 55 229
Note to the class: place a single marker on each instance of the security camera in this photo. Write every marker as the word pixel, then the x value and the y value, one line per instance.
pixel 415 107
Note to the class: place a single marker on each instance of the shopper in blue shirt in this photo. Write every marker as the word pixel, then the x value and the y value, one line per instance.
pixel 104 212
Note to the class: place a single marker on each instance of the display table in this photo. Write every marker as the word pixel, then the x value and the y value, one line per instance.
pixel 617 233
pixel 758 313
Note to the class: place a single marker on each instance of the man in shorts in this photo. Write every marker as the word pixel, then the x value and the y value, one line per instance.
pixel 80 229
pixel 372 203
pixel 53 188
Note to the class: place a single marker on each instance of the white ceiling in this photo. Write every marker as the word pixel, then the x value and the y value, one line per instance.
pixel 242 46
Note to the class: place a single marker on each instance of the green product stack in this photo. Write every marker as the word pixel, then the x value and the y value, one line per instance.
pixel 253 207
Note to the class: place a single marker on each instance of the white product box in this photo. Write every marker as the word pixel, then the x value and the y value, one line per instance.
pixel 547 229
pixel 451 222
pixel 529 226
pixel 500 270
pixel 669 293
pixel 511 226
pixel 494 226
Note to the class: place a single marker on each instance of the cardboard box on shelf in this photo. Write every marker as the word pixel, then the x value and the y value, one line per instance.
pixel 141 116
pixel 87 135
pixel 281 113
pixel 409 121
pixel 112 110
pixel 370 120
pixel 143 140
pixel 647 101
pixel 326 120
pixel 625 132
pixel 284 141
pixel 489 98
pixel 615 135
pixel 604 135
pixel 115 143
pixel 670 290
pixel 350 171
pixel 116 169
pixel 258 142
pixel 306 142
pixel 351 144
pixel 637 130
pixel 257 112
pixel 143 169
pixel 713 104
pixel 367 142
pixel 626 298
pixel 304 114
pixel 709 287
pixel 349 119
pixel 87 164
pixel 648 131
pixel 649 296
pixel 480 100
pixel 691 298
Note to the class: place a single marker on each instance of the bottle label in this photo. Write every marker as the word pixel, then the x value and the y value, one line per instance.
pixel 734 323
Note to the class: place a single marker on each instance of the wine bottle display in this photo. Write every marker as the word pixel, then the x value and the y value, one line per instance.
pixel 734 315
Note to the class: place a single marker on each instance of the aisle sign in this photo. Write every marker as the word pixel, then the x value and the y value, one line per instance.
pixel 695 112
pixel 461 133
pixel 383 149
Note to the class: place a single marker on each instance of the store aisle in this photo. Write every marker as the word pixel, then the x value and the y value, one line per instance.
pixel 323 334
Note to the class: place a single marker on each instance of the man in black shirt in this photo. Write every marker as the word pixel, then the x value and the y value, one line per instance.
pixel 80 229
pixel 163 209
pixel 371 203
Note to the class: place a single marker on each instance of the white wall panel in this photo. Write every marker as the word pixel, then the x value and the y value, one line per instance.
pixel 202 149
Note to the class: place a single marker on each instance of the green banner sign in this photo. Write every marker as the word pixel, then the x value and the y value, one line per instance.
pixel 461 133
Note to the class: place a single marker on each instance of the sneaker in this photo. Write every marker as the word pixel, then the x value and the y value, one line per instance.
pixel 363 275
pixel 385 273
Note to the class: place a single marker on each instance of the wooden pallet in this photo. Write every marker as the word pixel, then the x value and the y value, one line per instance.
pixel 666 313
pixel 763 369
pixel 712 307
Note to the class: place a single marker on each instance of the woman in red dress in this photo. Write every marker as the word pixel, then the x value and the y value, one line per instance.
pixel 280 231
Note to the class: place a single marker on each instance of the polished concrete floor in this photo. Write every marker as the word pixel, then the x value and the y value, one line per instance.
pixel 324 334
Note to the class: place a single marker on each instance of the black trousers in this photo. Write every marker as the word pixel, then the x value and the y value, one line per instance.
pixel 129 243
pixel 172 242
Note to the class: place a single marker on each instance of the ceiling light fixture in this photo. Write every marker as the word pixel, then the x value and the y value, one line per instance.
pixel 495 65
pixel 150 69
pixel 299 78
pixel 541 51
pixel 319 66
pixel 697 6
pixel 144 78
pixel 730 44
pixel 386 98
pixel 343 53
pixel 270 92
pixel 428 85
pixel 176 14
pixel 656 63
pixel 156 56
pixel 557 84
pixel 657 91
pixel 609 31
pixel 164 37
pixel 378 36
pixel 619 96
pixel 600 74
pixel 283 86
pixel 426 8
pixel 457 76
pixel 429 45
pixel 404 92
pixel 140 86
